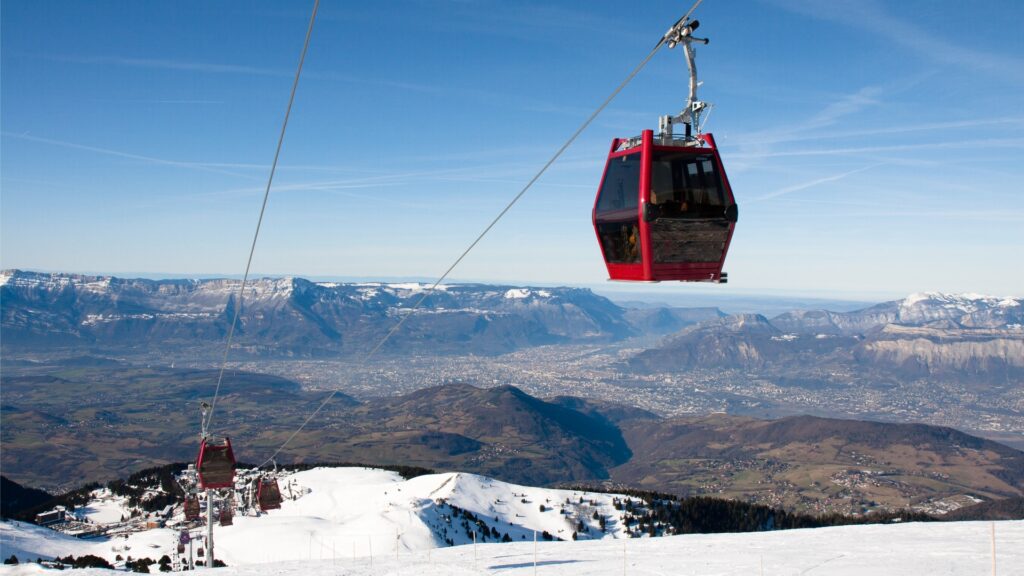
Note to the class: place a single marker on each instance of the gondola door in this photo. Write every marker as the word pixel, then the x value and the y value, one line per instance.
pixel 616 215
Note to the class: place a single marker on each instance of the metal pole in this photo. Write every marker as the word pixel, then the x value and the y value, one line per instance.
pixel 993 549
pixel 534 553
pixel 209 528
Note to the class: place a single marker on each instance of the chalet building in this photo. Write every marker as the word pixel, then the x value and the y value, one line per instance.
pixel 51 517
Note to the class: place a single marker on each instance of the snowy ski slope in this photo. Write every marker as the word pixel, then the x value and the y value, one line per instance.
pixel 364 521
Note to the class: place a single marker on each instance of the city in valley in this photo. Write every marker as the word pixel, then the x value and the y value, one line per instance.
pixel 599 372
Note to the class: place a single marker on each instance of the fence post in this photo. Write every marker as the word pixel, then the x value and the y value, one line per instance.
pixel 624 556
pixel 534 553
pixel 993 549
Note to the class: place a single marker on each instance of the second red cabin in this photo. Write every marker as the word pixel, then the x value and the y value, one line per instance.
pixel 268 494
pixel 216 463
pixel 664 210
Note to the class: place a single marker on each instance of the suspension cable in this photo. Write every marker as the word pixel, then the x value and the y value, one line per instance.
pixel 515 199
pixel 259 222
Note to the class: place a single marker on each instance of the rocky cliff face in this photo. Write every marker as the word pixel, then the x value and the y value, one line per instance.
pixel 922 335
pixel 922 351
pixel 923 309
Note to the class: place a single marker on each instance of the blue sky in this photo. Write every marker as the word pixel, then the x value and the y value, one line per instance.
pixel 875 148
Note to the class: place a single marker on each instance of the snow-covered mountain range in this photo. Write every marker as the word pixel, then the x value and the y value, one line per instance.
pixel 925 309
pixel 294 316
pixel 921 335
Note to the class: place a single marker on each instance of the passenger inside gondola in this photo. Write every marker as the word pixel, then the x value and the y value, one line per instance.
pixel 616 211
pixel 631 244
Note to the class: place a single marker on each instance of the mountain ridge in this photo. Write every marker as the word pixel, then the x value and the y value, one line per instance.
pixel 292 316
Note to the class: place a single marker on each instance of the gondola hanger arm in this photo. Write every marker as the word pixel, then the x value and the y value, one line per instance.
pixel 681 33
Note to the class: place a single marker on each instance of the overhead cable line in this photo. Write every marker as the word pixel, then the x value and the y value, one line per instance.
pixel 557 154
pixel 263 208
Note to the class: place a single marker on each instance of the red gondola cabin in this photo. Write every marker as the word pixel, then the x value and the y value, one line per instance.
pixel 216 463
pixel 664 210
pixel 226 515
pixel 268 494
pixel 191 508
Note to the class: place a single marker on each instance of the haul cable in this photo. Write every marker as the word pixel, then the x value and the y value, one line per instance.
pixel 208 417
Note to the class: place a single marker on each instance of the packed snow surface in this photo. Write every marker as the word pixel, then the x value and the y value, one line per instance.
pixel 104 508
pixel 924 549
pixel 363 521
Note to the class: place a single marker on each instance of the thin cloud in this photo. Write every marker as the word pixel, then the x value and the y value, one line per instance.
pixel 964 144
pixel 120 154
pixel 869 17
pixel 811 184
pixel 535 22
pixel 848 105
pixel 218 68
pixel 163 64
pixel 759 144
pixel 1009 122
pixel 161 101
pixel 975 215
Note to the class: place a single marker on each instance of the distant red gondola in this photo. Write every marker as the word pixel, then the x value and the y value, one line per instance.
pixel 191 508
pixel 268 494
pixel 226 515
pixel 665 210
pixel 216 463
